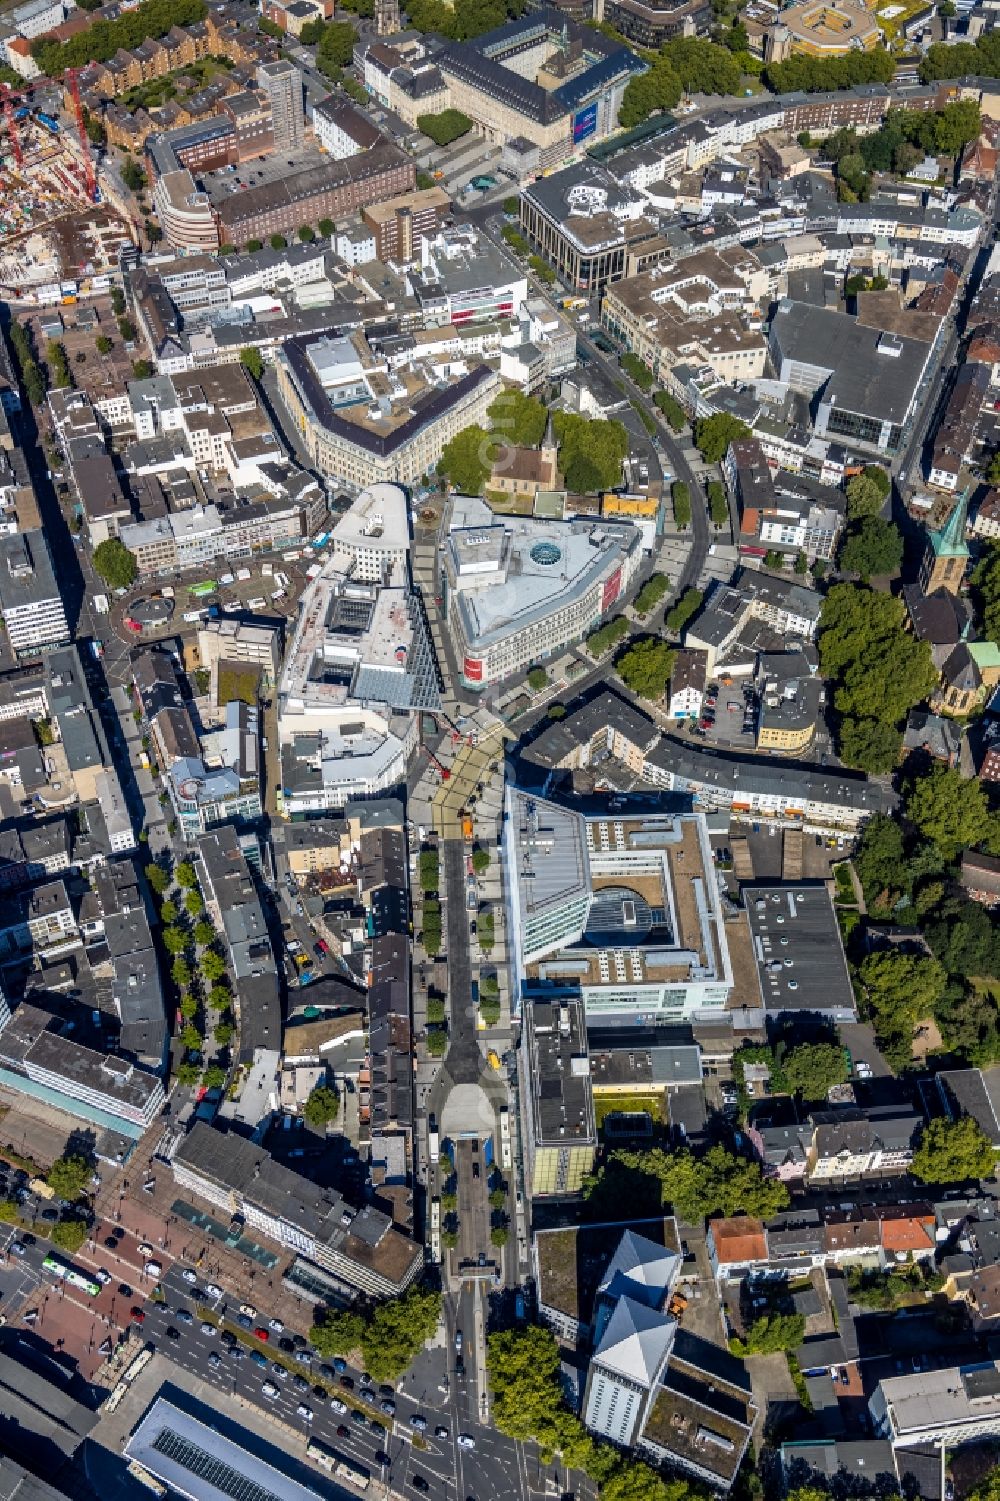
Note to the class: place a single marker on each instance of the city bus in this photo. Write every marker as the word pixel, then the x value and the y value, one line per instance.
pixel 207 586
pixel 75 1279
pixel 329 1459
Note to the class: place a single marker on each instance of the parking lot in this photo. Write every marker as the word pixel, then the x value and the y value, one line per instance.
pixel 729 716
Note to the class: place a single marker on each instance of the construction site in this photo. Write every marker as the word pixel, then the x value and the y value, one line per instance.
pixel 53 226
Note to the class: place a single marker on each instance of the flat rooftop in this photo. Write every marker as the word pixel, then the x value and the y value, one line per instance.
pixel 194 1460
pixel 798 950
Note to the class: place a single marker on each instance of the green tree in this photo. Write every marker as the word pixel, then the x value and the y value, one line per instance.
pixel 220 996
pixel 637 371
pixel 158 879
pixel 873 548
pixel 223 1033
pixel 180 973
pixel 69 1176
pixel 680 495
pixel 518 419
pixel 278 242
pixel 684 610
pixel 103 344
pixel 192 1038
pixel 188 1073
pixel 336 47
pixel 671 409
pixel 437 1040
pixel 538 679
pixel 168 912
pixel 869 745
pixel 953 1152
pixel 813 1068
pixel 326 228
pixel 956 125
pixel 801 564
pixel 132 175
pixel 480 860
pixel 880 671
pixel 253 361
pixel 322 1106
pixel 188 1007
pixel 213 966
pixel 115 563
pixel 864 498
pixel 652 591
pixel 713 435
pixel 591 453
pixel 174 940
pixel 715 1182
pixel 10 1211
pixel 657 89
pixel 194 902
pixel 69 1235
pixel 524 1377
pixel 702 66
pixel 717 507
pixel 771 1334
pixel 499 1235
pixel 186 875
pixel 204 933
pixel 950 810
pixel 214 1076
pixel 142 369
pixel 445 127
pixel 306 234
pixel 467 459
pixel 397 1331
pixel 511 205
pixel 899 989
pixel 645 667
pixel 336 1332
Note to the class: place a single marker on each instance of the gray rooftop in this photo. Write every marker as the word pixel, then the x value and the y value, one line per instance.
pixel 798 950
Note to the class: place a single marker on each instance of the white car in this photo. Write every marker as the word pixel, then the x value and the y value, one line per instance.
pixel 276 1325
pixel 208 1328
pixel 248 1310
pixel 270 1390
pixel 153 1269
pixel 213 1290
pixel 337 1405
pixel 102 1276
pixel 189 1274
pixel 863 1070
pixel 305 1412
pixel 466 1441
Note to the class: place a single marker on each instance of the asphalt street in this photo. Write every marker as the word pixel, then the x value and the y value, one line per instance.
pixel 494 1470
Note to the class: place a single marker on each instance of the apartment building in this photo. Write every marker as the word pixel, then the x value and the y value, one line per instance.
pixel 284 86
pixel 611 727
pixel 400 436
pixel 693 311
pixel 561 1141
pixel 107 1089
pixel 331 189
pixel 357 1248
pixel 31 604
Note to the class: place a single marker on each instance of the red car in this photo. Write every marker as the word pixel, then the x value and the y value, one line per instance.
pixel 321 946
pixel 262 1334
pixel 138 1317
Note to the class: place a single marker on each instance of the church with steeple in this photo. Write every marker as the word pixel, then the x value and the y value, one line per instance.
pixel 946 552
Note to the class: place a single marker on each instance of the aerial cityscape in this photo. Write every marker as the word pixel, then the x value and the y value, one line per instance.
pixel 499 750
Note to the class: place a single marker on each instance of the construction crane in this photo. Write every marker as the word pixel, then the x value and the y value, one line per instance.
pixel 14 115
